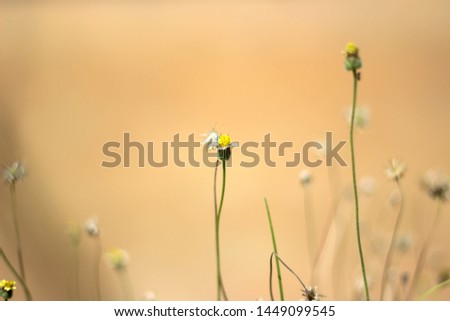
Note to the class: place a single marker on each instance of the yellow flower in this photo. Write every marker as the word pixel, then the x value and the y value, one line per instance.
pixel 352 60
pixel 224 140
pixel 117 258
pixel 351 49
pixel 7 285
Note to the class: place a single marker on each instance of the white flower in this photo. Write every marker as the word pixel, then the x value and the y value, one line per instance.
pixel 436 185
pixel 305 177
pixel 310 294
pixel 395 170
pixel 91 227
pixel 211 140
pixel 14 172
pixel 149 296
pixel 362 117
pixel 367 185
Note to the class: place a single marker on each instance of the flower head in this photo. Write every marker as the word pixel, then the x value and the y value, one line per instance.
pixel 117 258
pixel 352 60
pixel 310 294
pixel 403 243
pixel 211 140
pixel 367 185
pixel 362 117
pixel 149 296
pixel 351 49
pixel 395 170
pixel 14 172
pixel 6 289
pixel 91 227
pixel 436 185
pixel 7 285
pixel 222 143
pixel 305 177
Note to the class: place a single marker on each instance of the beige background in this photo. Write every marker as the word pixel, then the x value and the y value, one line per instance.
pixel 75 75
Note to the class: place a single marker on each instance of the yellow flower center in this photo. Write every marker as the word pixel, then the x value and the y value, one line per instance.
pixel 224 140
pixel 7 285
pixel 351 49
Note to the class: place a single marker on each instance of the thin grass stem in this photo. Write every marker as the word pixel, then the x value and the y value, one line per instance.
pixel 17 275
pixel 355 188
pixel 280 282
pixel 388 260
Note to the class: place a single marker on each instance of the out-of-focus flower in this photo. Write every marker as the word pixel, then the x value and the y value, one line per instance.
pixel 14 172
pixel 91 227
pixel 117 258
pixel 359 288
pixel 367 185
pixel 403 243
pixel 351 49
pixel 149 296
pixel 310 294
pixel 435 183
pixel 362 117
pixel 305 177
pixel 395 170
pixel 6 289
pixel 74 232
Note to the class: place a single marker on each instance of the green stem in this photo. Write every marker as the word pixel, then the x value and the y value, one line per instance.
pixel 390 252
pixel 423 253
pixel 17 230
pixel 220 287
pixel 434 289
pixel 355 188
pixel 17 275
pixel 280 282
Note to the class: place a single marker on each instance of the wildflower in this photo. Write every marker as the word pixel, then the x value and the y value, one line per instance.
pixel 310 294
pixel 224 146
pixel 351 49
pixel 362 117
pixel 117 258
pixel 305 177
pixel 352 60
pixel 149 296
pixel 74 232
pixel 14 172
pixel 367 185
pixel 91 227
pixel 436 185
pixel 211 140
pixel 404 243
pixel 395 170
pixel 6 289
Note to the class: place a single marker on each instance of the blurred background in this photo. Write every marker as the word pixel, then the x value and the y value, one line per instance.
pixel 75 75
